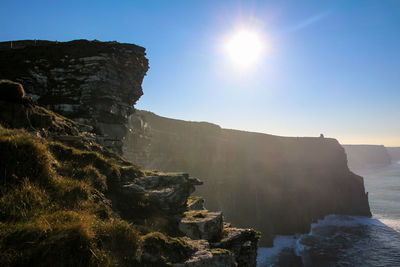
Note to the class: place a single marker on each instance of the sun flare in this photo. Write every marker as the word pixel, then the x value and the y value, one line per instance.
pixel 245 48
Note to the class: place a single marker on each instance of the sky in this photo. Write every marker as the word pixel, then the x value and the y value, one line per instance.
pixel 330 67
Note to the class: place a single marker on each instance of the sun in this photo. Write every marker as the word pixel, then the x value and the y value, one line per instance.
pixel 245 48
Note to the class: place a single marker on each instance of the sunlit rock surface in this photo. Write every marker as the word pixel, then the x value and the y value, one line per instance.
pixel 168 192
pixel 202 224
pixel 278 185
pixel 92 82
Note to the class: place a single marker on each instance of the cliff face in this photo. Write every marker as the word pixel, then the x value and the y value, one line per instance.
pixel 95 83
pixel 279 185
pixel 394 153
pixel 66 199
pixel 361 156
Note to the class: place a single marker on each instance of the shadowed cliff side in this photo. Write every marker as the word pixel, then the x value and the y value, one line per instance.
pixel 279 185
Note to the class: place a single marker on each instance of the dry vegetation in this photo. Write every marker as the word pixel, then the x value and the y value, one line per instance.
pixel 53 209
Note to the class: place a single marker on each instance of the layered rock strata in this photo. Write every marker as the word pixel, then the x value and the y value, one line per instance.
pixel 91 82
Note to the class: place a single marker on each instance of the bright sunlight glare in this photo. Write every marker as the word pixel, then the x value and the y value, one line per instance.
pixel 245 48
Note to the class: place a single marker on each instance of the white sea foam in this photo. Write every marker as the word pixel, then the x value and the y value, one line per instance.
pixel 266 255
pixel 346 221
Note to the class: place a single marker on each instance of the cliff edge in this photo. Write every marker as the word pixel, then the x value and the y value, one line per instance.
pixel 68 200
pixel 278 185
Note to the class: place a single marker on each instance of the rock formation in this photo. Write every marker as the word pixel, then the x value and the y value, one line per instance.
pixel 278 185
pixel 91 82
pixel 68 200
pixel 362 156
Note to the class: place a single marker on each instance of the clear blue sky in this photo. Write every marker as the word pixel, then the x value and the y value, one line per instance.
pixel 332 67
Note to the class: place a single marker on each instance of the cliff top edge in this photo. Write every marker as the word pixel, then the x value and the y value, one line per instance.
pixel 20 44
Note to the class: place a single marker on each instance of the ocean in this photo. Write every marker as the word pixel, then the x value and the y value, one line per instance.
pixel 339 240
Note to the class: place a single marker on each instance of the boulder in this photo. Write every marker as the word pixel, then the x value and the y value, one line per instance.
pixel 242 242
pixel 168 191
pixel 202 224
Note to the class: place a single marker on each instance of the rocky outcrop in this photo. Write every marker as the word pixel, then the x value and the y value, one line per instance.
pixel 278 185
pixel 219 240
pixel 91 82
pixel 202 224
pixel 165 192
pixel 363 156
pixel 242 242
pixel 101 186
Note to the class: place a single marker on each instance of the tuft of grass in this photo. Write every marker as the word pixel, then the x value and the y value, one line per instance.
pixel 23 201
pixel 120 239
pixel 219 251
pixel 23 155
pixel 159 248
pixel 81 159
pixel 63 238
pixel 196 213
pixel 87 174
pixel 193 199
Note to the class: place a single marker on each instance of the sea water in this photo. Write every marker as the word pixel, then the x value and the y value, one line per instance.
pixel 339 240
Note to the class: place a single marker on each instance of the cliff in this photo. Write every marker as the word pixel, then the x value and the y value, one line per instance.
pixel 91 82
pixel 394 153
pixel 279 185
pixel 362 156
pixel 68 201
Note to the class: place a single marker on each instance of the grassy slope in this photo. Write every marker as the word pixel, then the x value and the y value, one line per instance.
pixel 53 209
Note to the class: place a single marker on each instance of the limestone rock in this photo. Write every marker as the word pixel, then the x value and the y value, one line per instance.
pixel 92 82
pixel 242 242
pixel 202 224
pixel 168 191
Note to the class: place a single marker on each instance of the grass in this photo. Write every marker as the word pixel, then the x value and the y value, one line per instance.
pixel 193 199
pixel 53 209
pixel 196 213
pixel 219 251
pixel 163 248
